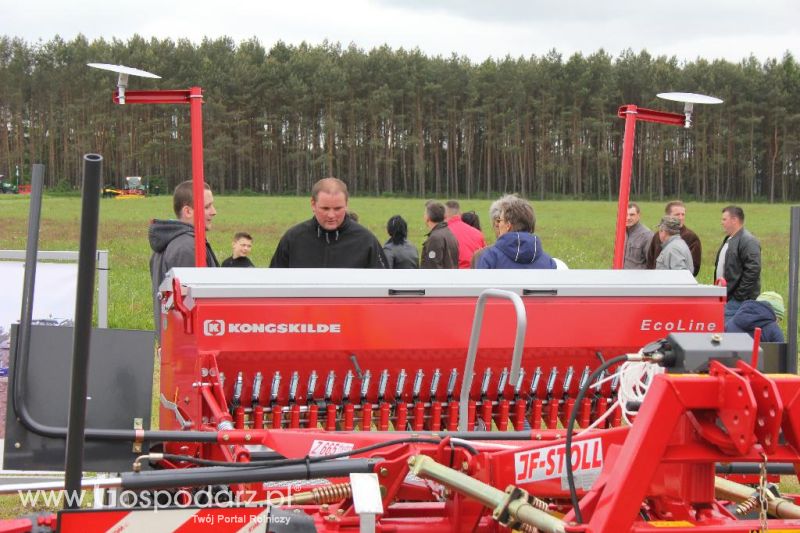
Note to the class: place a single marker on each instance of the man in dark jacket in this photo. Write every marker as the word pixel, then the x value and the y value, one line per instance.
pixel 637 240
pixel 172 241
pixel 763 312
pixel 516 247
pixel 331 239
pixel 440 250
pixel 677 209
pixel 738 261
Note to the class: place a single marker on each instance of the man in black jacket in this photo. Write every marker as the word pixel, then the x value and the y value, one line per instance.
pixel 738 261
pixel 331 239
pixel 172 241
pixel 440 250
pixel 677 209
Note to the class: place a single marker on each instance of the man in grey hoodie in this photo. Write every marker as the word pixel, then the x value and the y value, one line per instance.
pixel 172 241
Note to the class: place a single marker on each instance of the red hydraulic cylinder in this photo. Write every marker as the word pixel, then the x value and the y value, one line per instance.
pixel 348 415
pixel 552 414
pixel 519 415
pixel 258 417
pixel 401 418
pixel 436 416
pixel 366 416
pixel 419 417
pixel 277 416
pixel 383 417
pixel 585 413
pixel 238 417
pixel 502 415
pixel 452 415
pixel 471 408
pixel 536 414
pixel 294 416
pixel 330 417
pixel 486 414
pixel 313 416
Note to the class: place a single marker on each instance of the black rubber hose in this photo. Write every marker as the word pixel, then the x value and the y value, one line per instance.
pixel 219 475
pixel 573 495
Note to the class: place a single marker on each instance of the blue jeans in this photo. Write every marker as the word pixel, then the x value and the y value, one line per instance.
pixel 731 307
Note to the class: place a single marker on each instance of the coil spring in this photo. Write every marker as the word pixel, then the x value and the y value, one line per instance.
pixel 332 493
pixel 539 504
pixel 747 506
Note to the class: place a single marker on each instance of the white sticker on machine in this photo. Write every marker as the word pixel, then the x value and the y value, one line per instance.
pixel 322 448
pixel 550 463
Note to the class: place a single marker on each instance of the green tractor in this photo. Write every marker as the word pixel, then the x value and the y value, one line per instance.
pixel 6 187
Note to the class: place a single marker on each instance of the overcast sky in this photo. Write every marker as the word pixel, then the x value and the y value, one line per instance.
pixel 688 29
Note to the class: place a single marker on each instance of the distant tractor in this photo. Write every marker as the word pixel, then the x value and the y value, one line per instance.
pixel 133 189
pixel 6 187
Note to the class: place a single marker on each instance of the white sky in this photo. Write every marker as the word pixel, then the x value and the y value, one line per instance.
pixel 688 29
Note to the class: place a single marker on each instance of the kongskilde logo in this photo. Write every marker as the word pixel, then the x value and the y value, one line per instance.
pixel 216 328
pixel 213 328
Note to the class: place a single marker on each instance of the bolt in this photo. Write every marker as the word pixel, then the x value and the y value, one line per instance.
pixel 384 472
pixel 186 400
pixel 226 437
pixel 383 491
pixel 204 372
pixel 330 518
pixel 340 512
pixel 247 437
pixel 17 445
pixel 324 508
pixel 464 466
pixel 296 511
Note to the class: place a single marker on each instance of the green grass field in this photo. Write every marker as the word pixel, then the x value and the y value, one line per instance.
pixel 580 233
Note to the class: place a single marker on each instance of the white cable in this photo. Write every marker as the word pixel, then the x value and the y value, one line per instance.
pixel 635 379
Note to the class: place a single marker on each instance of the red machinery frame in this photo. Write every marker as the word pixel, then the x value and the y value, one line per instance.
pixel 193 97
pixel 631 114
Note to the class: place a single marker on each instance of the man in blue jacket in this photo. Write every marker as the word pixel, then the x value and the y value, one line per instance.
pixel 517 246
pixel 763 312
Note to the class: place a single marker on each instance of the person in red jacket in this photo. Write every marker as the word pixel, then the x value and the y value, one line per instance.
pixel 470 240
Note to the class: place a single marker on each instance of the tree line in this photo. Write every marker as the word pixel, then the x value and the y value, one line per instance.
pixel 399 122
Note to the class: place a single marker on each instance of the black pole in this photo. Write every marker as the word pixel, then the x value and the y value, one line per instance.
pixel 794 262
pixel 87 260
pixel 223 475
pixel 29 279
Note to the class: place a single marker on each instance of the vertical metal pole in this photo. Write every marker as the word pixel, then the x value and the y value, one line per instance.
pixel 198 179
pixel 76 423
pixel 794 282
pixel 29 279
pixel 102 289
pixel 624 185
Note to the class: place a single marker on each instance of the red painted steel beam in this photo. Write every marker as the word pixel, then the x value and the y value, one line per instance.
pixel 176 96
pixel 193 97
pixel 631 114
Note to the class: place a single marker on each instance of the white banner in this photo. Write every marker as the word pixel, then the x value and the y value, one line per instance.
pixel 54 296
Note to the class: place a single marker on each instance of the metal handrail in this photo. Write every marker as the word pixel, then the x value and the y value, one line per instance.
pixel 477 323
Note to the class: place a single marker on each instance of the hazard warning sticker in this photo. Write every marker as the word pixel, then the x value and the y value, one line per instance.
pixel 550 463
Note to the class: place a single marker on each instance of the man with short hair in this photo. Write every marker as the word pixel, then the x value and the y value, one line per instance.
pixel 440 249
pixel 242 244
pixel 172 241
pixel 331 238
pixel 675 254
pixel 637 240
pixel 470 240
pixel 677 209
pixel 738 261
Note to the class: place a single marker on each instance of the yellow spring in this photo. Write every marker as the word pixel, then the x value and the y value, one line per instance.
pixel 747 506
pixel 331 493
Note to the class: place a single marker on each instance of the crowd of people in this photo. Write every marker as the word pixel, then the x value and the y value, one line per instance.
pixel 333 238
